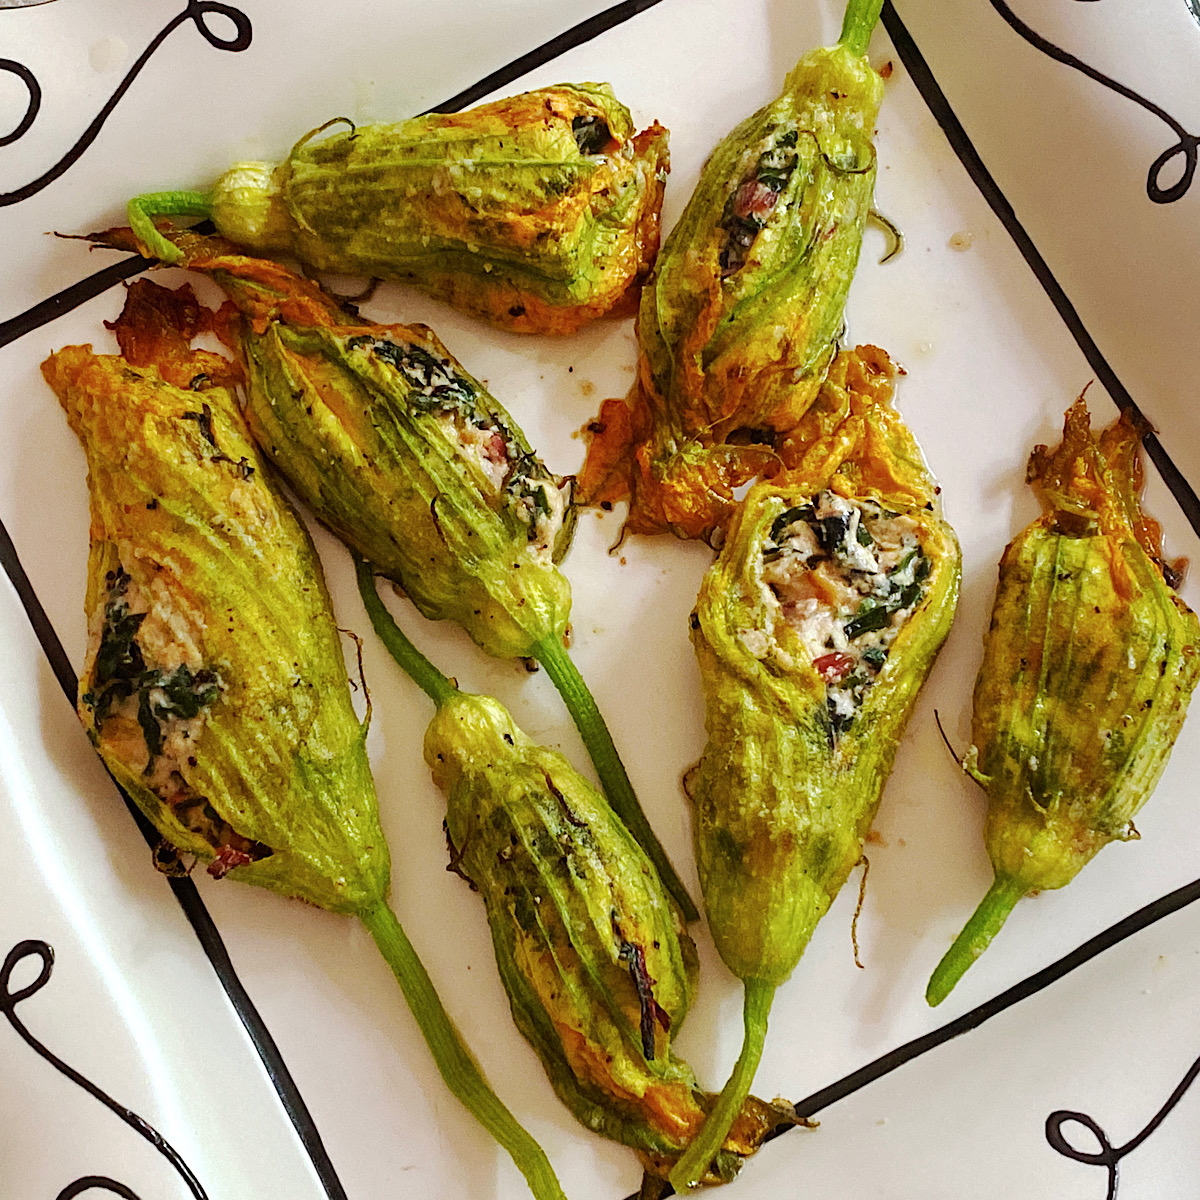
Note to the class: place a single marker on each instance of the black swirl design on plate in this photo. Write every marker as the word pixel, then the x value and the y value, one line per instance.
pixel 96 1183
pixel 54 306
pixel 197 11
pixel 1109 1156
pixel 9 999
pixel 1184 148
pixel 27 77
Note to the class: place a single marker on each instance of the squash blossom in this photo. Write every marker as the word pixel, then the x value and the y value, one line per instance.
pixel 593 951
pixel 539 212
pixel 214 686
pixel 401 453
pixel 1088 665
pixel 412 462
pixel 740 319
pixel 814 631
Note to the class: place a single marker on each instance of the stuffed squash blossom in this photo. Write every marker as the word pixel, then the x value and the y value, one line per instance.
pixel 408 459
pixel 593 951
pixel 740 319
pixel 1088 666
pixel 538 212
pixel 814 631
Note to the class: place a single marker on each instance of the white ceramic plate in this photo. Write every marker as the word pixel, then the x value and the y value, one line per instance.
pixel 1037 260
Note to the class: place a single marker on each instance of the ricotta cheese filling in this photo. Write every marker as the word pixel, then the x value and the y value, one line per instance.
pixel 750 206
pixel 537 498
pixel 844 576
pixel 149 693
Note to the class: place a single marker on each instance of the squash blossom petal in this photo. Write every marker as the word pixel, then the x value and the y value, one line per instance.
pixel 214 686
pixel 740 319
pixel 593 951
pixel 1089 663
pixel 814 631
pixel 539 212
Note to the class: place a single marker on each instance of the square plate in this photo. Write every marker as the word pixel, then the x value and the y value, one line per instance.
pixel 1039 165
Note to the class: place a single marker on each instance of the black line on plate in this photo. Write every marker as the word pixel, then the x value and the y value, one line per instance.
pixel 914 62
pixel 1187 144
pixel 281 1078
pixel 885 1064
pixel 33 99
pixel 71 297
pixel 189 899
pixel 1143 918
pixel 577 35
pixel 9 999
pixel 94 1183
pixel 51 646
pixel 196 11
pixel 1108 1155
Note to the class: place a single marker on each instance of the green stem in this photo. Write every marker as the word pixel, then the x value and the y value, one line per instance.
pixel 552 654
pixel 694 1162
pixel 860 19
pixel 454 1061
pixel 423 673
pixel 975 938
pixel 143 209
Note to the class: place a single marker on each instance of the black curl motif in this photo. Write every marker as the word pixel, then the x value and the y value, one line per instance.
pixel 9 999
pixel 1187 144
pixel 96 1182
pixel 26 76
pixel 197 11
pixel 1109 1156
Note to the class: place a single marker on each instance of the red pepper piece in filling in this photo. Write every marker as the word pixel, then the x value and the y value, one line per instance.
pixel 833 667
pixel 227 858
pixel 495 449
pixel 754 200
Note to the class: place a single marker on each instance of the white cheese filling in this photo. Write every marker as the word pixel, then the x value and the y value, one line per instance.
pixel 844 576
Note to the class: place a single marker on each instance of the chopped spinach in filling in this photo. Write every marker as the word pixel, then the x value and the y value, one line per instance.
pixel 845 575
pixel 591 133
pixel 121 674
pixel 539 500
pixel 436 385
pixel 168 706
pixel 749 208
pixel 517 475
